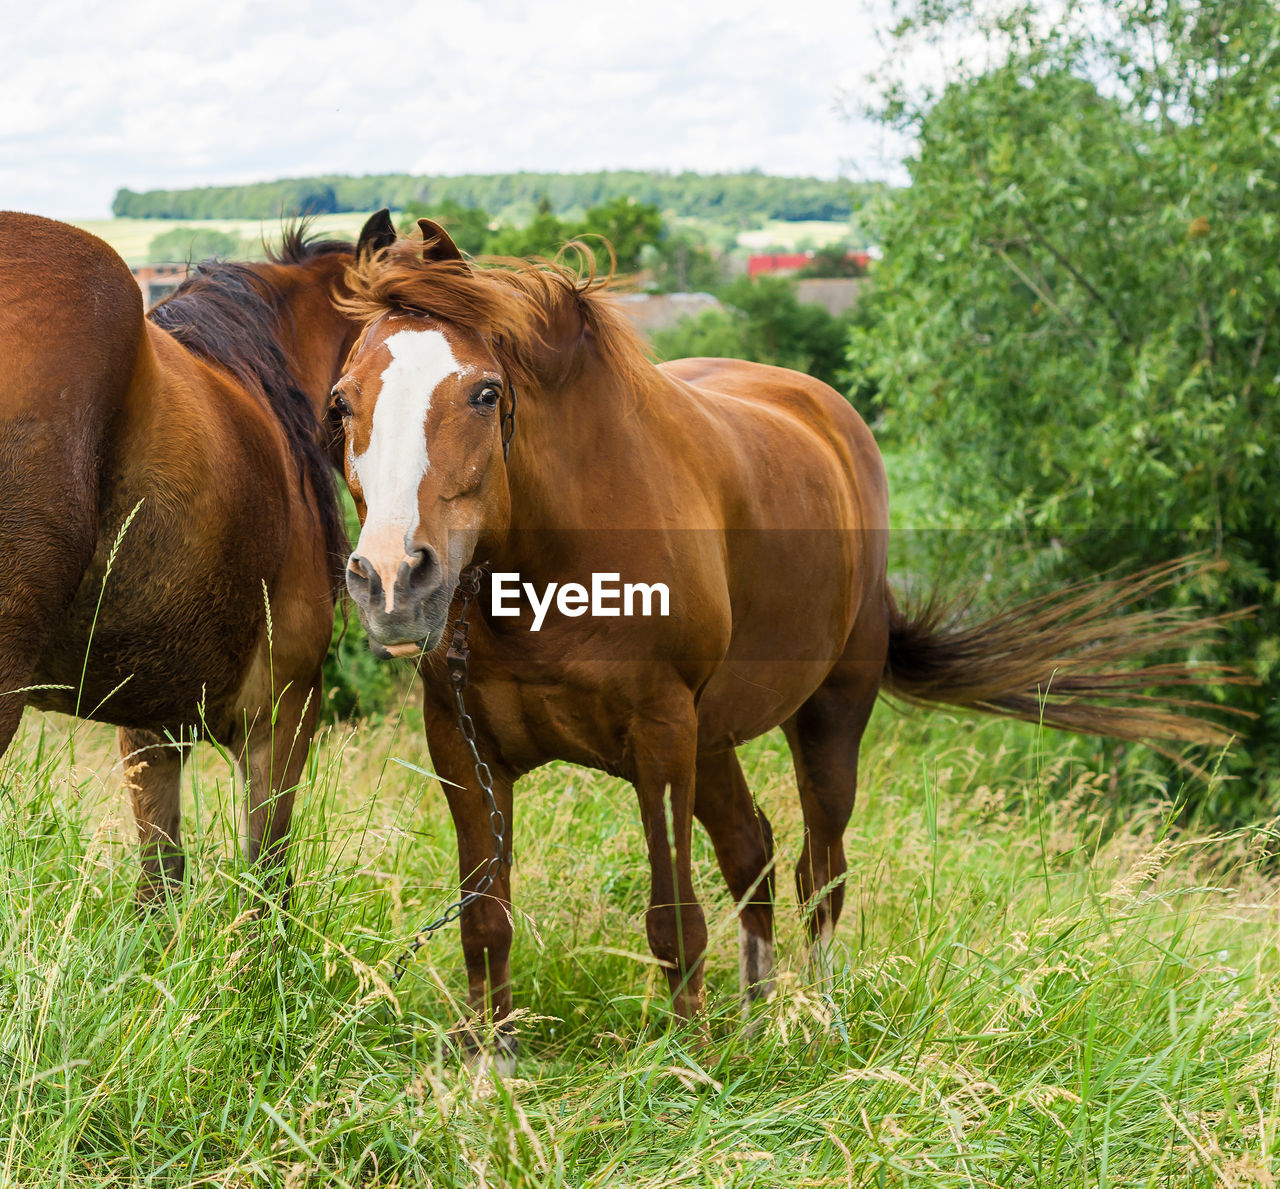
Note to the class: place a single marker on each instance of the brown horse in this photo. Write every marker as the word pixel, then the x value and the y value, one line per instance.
pixel 165 480
pixel 756 495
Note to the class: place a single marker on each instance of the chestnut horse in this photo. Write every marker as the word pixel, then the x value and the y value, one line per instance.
pixel 165 479
pixel 757 495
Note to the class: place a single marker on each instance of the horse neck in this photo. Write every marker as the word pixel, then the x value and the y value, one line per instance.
pixel 314 336
pixel 578 443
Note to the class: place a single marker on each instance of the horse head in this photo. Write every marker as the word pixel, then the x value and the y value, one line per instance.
pixel 421 407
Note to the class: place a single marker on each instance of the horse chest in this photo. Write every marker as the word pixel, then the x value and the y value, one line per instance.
pixel 535 717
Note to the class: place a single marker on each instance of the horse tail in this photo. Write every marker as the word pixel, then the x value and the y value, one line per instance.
pixel 1074 659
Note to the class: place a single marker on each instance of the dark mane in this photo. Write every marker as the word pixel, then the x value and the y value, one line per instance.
pixel 515 304
pixel 298 247
pixel 229 314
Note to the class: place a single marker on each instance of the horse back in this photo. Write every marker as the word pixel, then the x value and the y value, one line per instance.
pixel 790 430
pixel 71 321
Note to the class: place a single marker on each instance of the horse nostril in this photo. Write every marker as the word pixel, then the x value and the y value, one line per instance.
pixel 424 570
pixel 358 569
pixel 362 579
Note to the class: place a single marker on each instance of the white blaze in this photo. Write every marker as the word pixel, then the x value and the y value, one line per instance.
pixel 391 469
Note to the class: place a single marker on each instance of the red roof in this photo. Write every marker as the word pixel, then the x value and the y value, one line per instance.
pixel 777 262
pixel 794 261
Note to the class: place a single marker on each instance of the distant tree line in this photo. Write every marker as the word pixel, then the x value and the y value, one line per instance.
pixel 728 197
pixel 640 240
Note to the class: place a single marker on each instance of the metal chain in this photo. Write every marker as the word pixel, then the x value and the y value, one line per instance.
pixel 508 427
pixel 456 659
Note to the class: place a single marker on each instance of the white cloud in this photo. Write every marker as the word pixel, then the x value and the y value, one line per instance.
pixel 97 97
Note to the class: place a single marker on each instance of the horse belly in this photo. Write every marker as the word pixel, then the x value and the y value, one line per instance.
pixel 794 605
pixel 747 698
pixel 152 664
pixel 159 635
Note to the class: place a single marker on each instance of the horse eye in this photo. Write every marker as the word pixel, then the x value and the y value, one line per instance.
pixel 341 407
pixel 486 398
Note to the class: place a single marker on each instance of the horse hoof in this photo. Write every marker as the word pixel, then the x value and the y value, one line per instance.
pixel 274 892
pixel 486 1051
pixel 154 890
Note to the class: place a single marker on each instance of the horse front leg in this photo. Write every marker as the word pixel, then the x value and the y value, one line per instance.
pixel 271 752
pixel 486 922
pixel 664 747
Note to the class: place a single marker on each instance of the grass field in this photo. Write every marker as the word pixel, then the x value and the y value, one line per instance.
pixel 1031 988
pixel 132 237
pixel 791 235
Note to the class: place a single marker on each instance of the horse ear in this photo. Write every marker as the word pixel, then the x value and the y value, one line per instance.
pixel 378 233
pixel 437 247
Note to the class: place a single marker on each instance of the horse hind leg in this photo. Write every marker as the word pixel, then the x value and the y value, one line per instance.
pixel 34 595
pixel 825 735
pixel 271 754
pixel 743 842
pixel 47 533
pixel 153 777
pixel 16 667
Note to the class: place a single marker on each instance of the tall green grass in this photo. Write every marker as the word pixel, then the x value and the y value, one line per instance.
pixel 1033 987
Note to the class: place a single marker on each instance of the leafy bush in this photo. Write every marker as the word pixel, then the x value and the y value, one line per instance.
pixel 193 243
pixel 764 322
pixel 1076 313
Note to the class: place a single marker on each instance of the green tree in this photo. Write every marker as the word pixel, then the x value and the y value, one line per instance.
pixel 765 322
pixel 193 243
pixel 682 262
pixel 1077 309
pixel 543 235
pixel 835 260
pixel 468 226
pixel 629 226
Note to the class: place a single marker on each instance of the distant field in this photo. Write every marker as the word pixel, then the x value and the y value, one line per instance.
pixel 132 237
pixel 777 233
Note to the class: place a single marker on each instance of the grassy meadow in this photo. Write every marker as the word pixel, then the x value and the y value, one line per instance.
pixel 132 237
pixel 1031 988
pixel 791 235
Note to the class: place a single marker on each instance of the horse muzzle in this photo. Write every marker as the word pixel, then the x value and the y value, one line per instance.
pixel 409 621
pixel 409 650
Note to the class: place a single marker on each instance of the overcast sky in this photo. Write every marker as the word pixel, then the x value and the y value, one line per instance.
pixel 148 94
